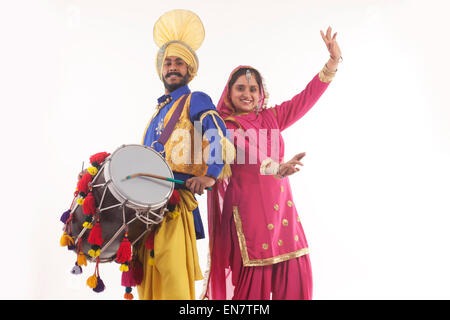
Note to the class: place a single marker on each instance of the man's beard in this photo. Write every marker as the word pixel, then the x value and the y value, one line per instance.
pixel 174 86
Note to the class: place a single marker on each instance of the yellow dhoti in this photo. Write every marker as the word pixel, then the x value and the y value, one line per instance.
pixel 172 273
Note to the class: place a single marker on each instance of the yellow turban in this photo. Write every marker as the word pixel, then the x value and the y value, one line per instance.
pixel 178 33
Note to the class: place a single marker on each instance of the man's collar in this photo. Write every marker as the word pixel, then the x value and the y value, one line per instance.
pixel 175 94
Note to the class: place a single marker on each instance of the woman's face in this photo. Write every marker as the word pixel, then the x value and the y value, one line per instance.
pixel 245 94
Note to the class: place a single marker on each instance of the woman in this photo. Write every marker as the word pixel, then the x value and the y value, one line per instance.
pixel 258 248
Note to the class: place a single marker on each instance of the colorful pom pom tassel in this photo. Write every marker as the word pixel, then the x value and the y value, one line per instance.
pixel 95 282
pixel 124 267
pixel 92 171
pixel 95 251
pixel 96 235
pixel 124 252
pixel 128 279
pixel 87 225
pixel 65 216
pixel 97 159
pixel 89 206
pixel 88 222
pixel 81 259
pixel 128 295
pixel 92 281
pixel 66 240
pixel 83 184
pixel 100 286
pixel 76 269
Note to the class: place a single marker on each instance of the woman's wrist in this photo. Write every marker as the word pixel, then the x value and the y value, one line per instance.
pixel 278 174
pixel 332 65
pixel 269 167
pixel 333 62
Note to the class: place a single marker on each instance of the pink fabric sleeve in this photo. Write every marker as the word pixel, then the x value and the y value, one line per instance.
pixel 290 111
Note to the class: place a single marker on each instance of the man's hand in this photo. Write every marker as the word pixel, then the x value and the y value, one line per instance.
pixel 199 184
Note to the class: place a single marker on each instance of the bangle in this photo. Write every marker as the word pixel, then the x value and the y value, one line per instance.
pixel 339 60
pixel 269 167
pixel 325 75
pixel 327 70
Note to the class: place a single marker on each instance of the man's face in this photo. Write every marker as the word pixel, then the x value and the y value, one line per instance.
pixel 175 73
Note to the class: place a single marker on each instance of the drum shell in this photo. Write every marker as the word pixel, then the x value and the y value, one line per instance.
pixel 111 221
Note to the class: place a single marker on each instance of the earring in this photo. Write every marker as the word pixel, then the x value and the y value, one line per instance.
pixel 257 109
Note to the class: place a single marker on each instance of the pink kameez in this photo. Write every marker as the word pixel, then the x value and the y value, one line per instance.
pixel 258 248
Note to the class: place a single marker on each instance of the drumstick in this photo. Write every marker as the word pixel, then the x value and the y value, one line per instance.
pixel 153 176
pixel 157 177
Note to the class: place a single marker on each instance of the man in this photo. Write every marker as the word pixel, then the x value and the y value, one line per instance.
pixel 169 256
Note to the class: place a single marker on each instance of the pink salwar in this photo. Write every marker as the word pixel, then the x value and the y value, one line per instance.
pixel 287 280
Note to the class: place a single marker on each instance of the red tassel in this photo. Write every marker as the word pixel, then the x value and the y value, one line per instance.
pixel 150 241
pixel 96 235
pixel 124 252
pixel 174 198
pixel 89 206
pixel 83 184
pixel 138 271
pixel 98 158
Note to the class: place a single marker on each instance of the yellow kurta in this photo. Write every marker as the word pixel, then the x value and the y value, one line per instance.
pixel 176 265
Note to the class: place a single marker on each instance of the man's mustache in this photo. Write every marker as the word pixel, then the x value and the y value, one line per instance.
pixel 173 74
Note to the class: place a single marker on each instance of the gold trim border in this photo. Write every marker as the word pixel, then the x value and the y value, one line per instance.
pixel 260 262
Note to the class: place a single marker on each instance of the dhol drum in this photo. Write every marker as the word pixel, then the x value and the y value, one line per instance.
pixel 121 207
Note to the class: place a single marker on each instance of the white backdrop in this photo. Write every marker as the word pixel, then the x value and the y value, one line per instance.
pixel 78 77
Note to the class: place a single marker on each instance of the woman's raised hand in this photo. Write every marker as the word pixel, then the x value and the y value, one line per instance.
pixel 332 45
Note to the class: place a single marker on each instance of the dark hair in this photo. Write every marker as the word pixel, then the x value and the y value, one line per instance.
pixel 241 72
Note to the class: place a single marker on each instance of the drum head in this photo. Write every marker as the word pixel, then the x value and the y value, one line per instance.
pixel 140 191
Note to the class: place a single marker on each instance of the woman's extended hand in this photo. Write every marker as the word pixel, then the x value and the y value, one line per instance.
pixel 288 168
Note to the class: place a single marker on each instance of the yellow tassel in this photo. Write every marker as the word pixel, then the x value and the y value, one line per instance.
pixel 92 171
pixel 94 253
pixel 228 156
pixel 81 259
pixel 226 172
pixel 87 225
pixel 80 201
pixel 92 281
pixel 228 150
pixel 66 240
pixel 124 268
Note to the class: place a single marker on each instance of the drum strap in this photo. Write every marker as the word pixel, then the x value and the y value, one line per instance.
pixel 167 131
